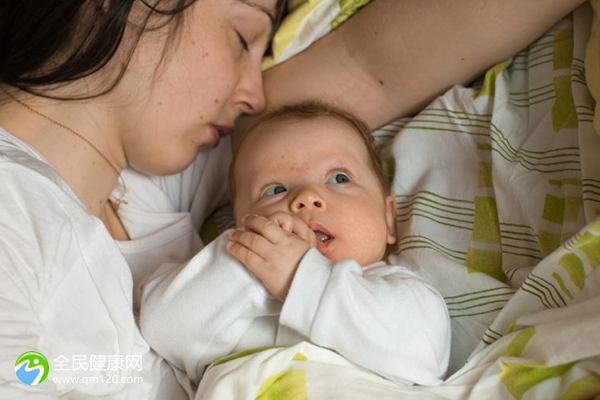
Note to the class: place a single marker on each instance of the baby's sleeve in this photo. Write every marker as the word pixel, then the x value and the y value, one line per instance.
pixel 384 318
pixel 196 313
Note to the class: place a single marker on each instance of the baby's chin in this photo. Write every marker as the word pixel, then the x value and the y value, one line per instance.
pixel 362 259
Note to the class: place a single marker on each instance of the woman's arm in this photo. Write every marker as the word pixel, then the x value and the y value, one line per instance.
pixel 20 326
pixel 394 56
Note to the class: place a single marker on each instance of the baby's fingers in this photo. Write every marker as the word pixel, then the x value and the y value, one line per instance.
pixel 253 241
pixel 246 256
pixel 268 229
pixel 307 234
pixel 294 225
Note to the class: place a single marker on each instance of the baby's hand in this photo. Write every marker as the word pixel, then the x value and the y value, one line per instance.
pixel 272 249
pixel 295 225
pixel 298 227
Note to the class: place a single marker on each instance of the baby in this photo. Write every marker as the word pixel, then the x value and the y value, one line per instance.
pixel 314 216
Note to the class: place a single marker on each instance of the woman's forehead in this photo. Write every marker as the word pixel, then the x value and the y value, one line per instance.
pixel 267 7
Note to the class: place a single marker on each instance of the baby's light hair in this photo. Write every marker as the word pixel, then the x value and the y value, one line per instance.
pixel 310 110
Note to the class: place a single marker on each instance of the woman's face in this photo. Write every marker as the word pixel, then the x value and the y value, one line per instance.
pixel 165 116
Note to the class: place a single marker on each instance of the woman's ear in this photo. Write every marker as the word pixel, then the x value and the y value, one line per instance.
pixel 390 218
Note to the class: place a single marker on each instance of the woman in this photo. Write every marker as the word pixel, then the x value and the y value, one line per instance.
pixel 174 86
pixel 108 112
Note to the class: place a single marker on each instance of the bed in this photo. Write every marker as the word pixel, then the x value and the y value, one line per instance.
pixel 497 190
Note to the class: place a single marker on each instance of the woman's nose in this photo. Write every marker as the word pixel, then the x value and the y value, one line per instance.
pixel 250 92
pixel 308 199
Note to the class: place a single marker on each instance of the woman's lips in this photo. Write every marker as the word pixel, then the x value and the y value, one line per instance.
pixel 216 138
pixel 224 130
pixel 219 130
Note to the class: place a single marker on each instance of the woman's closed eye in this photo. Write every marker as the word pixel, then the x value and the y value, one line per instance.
pixel 273 190
pixel 338 177
pixel 243 41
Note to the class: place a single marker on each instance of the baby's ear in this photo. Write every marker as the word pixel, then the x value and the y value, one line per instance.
pixel 390 218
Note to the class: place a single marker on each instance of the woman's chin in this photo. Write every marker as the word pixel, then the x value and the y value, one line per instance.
pixel 170 166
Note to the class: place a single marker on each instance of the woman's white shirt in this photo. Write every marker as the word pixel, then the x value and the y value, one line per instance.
pixel 67 288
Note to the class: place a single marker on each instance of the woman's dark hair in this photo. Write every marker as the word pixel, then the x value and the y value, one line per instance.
pixel 46 43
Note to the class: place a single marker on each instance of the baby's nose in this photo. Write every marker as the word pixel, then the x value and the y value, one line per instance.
pixel 308 199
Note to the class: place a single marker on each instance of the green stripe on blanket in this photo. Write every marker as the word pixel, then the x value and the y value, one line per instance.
pixel 347 9
pixel 289 385
pixel 519 378
pixel 582 389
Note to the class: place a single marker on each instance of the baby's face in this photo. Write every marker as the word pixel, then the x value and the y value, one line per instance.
pixel 318 170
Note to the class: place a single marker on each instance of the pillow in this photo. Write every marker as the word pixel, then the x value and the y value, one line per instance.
pixel 306 22
pixel 592 63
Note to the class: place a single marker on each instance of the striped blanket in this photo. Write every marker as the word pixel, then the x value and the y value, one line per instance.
pixel 497 191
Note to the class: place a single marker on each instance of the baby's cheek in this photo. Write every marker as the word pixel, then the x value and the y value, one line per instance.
pixel 370 240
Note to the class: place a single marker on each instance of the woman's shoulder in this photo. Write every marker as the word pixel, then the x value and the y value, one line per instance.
pixel 47 234
pixel 39 214
pixel 27 176
pixel 32 185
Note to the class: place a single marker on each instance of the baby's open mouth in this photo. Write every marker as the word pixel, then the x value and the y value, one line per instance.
pixel 322 237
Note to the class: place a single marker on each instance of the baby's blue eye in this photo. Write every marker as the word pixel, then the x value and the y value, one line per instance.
pixel 338 177
pixel 274 190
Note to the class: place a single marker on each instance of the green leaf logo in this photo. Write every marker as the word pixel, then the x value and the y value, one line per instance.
pixel 31 368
